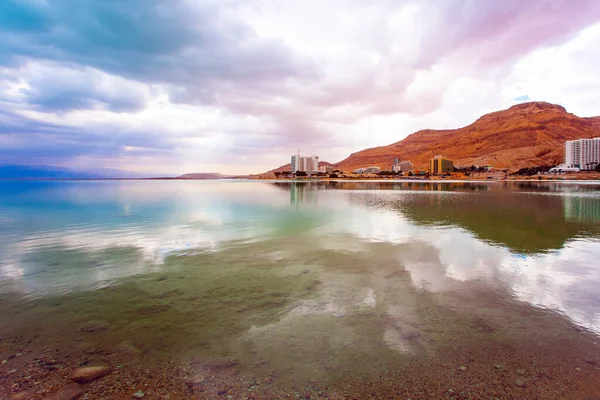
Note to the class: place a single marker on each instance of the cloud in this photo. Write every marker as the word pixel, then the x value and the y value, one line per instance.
pixel 161 41
pixel 196 80
pixel 59 87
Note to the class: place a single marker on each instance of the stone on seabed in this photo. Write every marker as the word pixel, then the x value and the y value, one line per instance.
pixel 87 374
pixel 71 391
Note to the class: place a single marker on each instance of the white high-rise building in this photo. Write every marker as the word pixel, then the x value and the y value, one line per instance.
pixel 582 153
pixel 305 163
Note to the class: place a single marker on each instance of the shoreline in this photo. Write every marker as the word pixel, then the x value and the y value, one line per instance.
pixel 593 179
pixel 555 360
pixel 162 339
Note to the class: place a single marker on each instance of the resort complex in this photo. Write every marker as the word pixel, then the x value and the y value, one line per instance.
pixel 304 163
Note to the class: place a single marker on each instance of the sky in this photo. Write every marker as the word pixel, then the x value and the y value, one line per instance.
pixel 232 86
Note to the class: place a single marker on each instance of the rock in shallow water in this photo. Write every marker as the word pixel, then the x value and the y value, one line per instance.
pixel 20 396
pixel 87 374
pixel 520 382
pixel 71 391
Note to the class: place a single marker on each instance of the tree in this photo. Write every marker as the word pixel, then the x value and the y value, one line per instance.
pixel 301 173
pixel 597 167
pixel 410 173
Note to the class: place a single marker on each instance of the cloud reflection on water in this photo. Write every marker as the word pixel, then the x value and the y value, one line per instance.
pixel 445 241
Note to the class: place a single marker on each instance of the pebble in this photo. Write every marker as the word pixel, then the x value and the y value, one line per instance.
pixel 520 382
pixel 71 391
pixel 577 369
pixel 520 372
pixel 138 395
pixel 4 362
pixel 12 371
pixel 197 379
pixel 87 374
pixel 20 396
pixel 462 368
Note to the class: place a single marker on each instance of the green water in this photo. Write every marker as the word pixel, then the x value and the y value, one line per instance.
pixel 305 279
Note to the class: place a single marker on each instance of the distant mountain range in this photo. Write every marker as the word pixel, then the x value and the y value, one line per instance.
pixel 525 135
pixel 54 172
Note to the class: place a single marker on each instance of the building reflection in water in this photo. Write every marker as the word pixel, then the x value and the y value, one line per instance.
pixel 302 192
pixel 582 209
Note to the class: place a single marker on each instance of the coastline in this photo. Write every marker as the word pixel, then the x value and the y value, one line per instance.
pixel 535 178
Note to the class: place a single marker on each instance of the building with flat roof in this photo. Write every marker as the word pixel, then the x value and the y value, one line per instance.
pixel 582 153
pixel 402 166
pixel 440 165
pixel 328 169
pixel 305 163
pixel 367 170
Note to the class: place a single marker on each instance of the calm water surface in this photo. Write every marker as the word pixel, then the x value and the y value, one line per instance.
pixel 314 276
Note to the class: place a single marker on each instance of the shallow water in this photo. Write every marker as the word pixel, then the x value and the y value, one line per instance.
pixel 314 279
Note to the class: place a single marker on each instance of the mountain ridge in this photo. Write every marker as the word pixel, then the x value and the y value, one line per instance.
pixel 524 135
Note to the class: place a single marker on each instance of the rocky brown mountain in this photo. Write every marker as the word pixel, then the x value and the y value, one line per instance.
pixel 525 135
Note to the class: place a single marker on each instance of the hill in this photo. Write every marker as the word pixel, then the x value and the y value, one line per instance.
pixel 525 135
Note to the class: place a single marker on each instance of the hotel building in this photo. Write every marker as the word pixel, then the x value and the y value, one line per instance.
pixel 440 165
pixel 305 163
pixel 582 153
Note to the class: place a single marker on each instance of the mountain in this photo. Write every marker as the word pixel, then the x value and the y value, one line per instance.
pixel 525 135
pixel 203 175
pixel 54 172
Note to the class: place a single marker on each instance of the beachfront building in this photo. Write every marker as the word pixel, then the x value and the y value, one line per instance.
pixel 440 165
pixel 367 170
pixel 582 153
pixel 402 166
pixel 305 163
pixel 327 169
